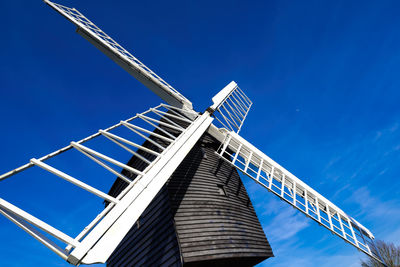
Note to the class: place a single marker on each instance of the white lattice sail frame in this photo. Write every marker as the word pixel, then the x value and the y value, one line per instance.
pixel 96 242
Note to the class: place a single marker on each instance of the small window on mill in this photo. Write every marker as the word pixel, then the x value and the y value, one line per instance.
pixel 222 190
pixel 203 151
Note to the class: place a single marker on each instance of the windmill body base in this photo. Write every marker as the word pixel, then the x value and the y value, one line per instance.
pixel 202 217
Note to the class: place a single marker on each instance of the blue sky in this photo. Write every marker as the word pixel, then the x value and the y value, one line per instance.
pixel 323 77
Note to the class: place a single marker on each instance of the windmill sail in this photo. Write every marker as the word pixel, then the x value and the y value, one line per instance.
pixel 122 57
pixel 99 239
pixel 276 179
pixel 230 107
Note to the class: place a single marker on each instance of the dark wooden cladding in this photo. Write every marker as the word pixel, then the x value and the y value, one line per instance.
pixel 215 221
pixel 152 241
pixel 202 217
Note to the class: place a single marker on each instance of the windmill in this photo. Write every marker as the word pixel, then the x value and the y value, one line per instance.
pixel 179 137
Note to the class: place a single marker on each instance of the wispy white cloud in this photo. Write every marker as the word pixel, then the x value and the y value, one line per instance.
pixel 285 224
pixel 367 156
pixel 383 214
pixel 374 207
pixel 280 221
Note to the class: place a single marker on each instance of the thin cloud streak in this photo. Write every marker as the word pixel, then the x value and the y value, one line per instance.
pixel 286 223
